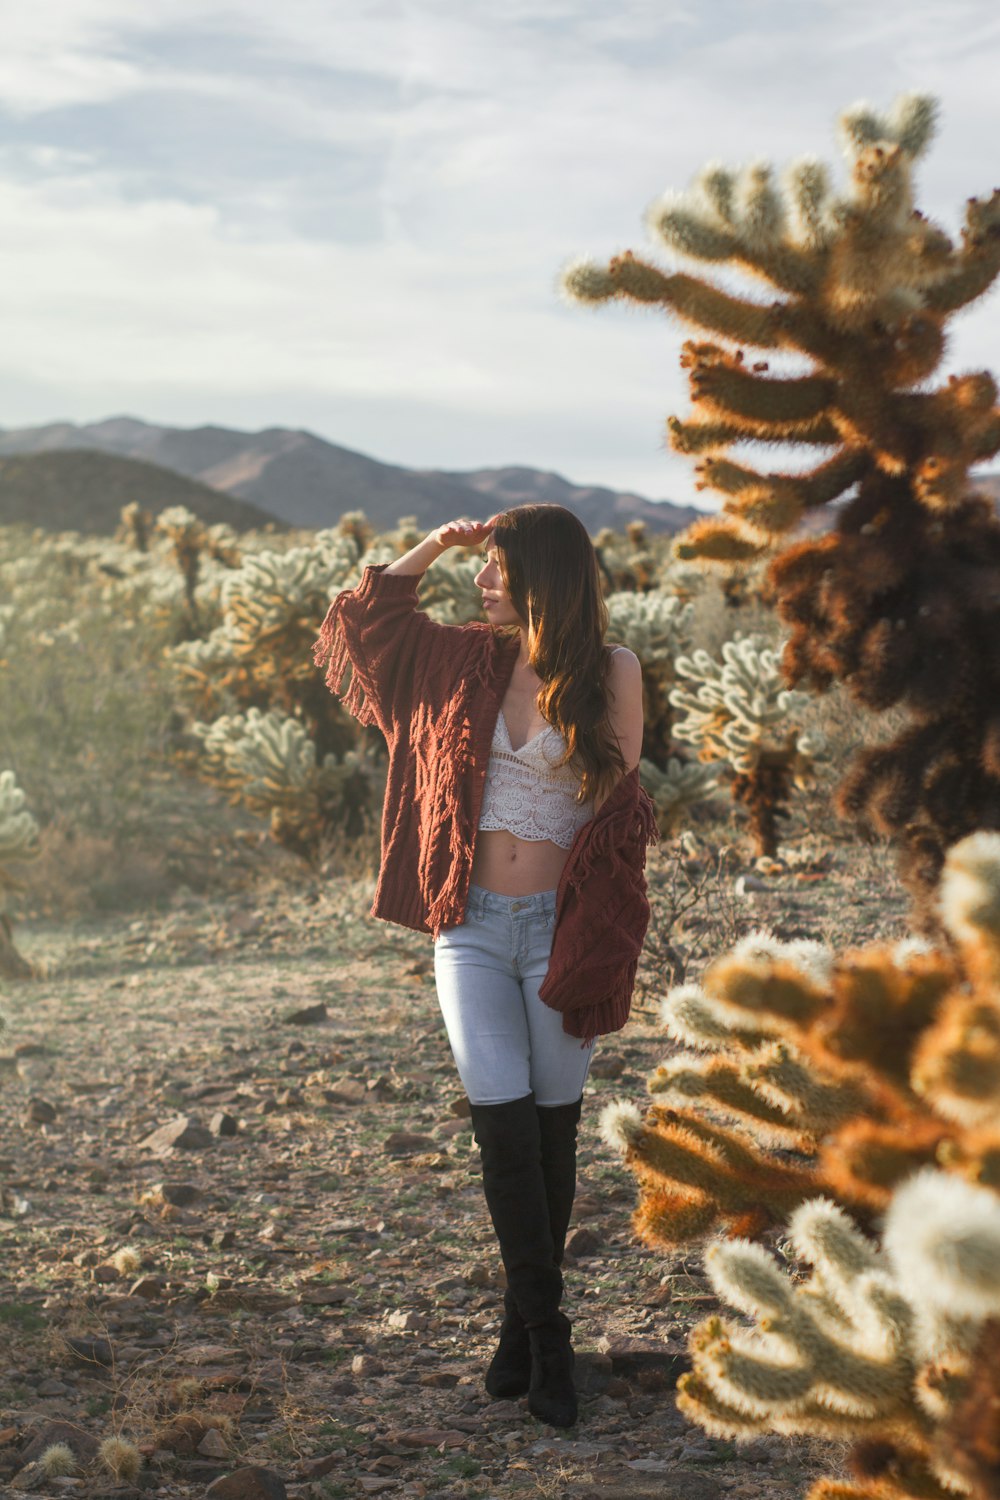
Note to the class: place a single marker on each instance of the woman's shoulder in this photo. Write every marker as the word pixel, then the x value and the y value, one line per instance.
pixel 620 656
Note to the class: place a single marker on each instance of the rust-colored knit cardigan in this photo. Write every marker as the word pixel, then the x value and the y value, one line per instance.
pixel 435 692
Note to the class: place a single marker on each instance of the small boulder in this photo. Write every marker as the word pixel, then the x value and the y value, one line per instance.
pixel 179 1194
pixel 92 1351
pixel 607 1065
pixel 183 1133
pixel 223 1124
pixel 253 1483
pixel 583 1242
pixel 407 1322
pixel 309 1015
pixel 213 1445
pixel 39 1112
pixel 405 1143
pixel 80 1443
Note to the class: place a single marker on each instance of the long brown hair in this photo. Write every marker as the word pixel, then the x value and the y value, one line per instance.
pixel 550 571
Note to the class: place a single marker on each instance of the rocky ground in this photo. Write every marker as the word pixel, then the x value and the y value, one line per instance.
pixel 242 1226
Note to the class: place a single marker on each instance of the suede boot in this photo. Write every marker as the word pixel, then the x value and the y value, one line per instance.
pixel 529 1175
pixel 558 1126
pixel 510 1146
pixel 551 1394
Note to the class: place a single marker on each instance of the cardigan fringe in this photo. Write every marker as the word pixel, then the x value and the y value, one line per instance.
pixel 332 647
pixel 435 691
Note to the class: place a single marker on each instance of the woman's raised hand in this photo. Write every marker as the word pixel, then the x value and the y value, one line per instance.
pixel 464 533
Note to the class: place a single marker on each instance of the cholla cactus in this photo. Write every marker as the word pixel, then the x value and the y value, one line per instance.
pixel 741 713
pixel 628 563
pixel 258 657
pixel 268 762
pixel 18 841
pixel 676 789
pixel 7 613
pixel 135 527
pixel 880 1346
pixel 902 601
pixel 657 628
pixel 448 593
pixel 189 539
pixel 868 1068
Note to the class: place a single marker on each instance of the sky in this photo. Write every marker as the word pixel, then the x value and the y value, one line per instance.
pixel 352 218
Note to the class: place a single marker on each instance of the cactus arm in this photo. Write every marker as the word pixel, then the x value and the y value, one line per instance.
pixel 721 384
pixel 691 299
pixel 704 436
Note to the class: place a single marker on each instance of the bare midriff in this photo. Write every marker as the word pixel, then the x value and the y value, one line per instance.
pixel 516 867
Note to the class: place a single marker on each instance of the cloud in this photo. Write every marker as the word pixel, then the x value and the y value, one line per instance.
pixel 305 208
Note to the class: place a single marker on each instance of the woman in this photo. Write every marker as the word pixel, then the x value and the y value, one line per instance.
pixel 515 831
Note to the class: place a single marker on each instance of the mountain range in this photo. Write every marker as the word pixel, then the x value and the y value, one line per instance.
pixel 66 476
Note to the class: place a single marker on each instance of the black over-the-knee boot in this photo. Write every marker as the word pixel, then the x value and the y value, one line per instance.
pixel 510 1143
pixel 558 1126
pixel 509 1374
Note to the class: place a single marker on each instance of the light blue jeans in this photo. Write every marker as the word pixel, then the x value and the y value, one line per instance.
pixel 506 1041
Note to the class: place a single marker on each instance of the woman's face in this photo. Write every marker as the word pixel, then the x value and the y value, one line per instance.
pixel 496 601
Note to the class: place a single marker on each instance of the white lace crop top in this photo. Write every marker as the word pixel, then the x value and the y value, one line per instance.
pixel 527 794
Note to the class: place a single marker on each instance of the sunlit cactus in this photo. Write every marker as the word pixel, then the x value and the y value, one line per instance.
pixel 135 527
pixel 901 602
pixel 629 561
pixel 677 789
pixel 267 762
pixel 258 657
pixel 657 628
pixel 869 1067
pixel 7 613
pixel 19 833
pixel 448 593
pixel 883 1347
pixel 188 537
pixel 739 712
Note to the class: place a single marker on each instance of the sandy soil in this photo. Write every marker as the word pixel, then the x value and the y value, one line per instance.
pixel 317 1292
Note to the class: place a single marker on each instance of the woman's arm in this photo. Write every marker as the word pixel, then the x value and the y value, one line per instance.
pixel 625 704
pixel 451 534
pixel 379 631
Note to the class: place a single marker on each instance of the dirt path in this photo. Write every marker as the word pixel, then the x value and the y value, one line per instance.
pixel 312 1284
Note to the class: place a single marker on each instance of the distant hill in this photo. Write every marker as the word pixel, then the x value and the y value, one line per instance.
pixel 85 491
pixel 305 481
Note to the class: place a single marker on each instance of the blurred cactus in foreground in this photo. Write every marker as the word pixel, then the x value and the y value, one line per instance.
pixel 18 841
pixel 901 602
pixel 740 712
pixel 657 628
pixel 879 1072
pixel 887 1347
pixel 676 790
pixel 868 1067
